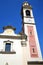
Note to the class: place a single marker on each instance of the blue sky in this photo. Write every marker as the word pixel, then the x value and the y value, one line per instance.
pixel 10 15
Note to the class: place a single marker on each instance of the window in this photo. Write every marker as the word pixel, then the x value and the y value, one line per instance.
pixel 33 50
pixel 27 13
pixel 8 47
pixel 30 32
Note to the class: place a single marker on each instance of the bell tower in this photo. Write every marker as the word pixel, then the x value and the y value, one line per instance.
pixel 29 28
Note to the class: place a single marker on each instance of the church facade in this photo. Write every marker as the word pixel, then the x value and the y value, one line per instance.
pixel 22 48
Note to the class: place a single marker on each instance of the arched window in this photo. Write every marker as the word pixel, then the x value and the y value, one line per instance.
pixel 33 50
pixel 27 13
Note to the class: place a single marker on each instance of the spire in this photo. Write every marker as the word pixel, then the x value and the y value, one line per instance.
pixel 27 5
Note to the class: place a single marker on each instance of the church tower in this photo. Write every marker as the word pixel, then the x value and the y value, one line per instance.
pixel 29 28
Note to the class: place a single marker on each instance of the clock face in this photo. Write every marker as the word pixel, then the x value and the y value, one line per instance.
pixel 27 13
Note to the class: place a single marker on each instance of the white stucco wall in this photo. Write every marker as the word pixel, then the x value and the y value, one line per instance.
pixel 11 59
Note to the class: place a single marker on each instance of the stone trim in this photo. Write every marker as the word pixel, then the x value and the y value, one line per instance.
pixel 27 6
pixel 28 17
pixel 13 37
pixel 3 52
pixel 8 41
pixel 29 23
pixel 35 62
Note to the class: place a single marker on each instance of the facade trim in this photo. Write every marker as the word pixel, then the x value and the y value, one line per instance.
pixel 29 23
pixel 28 17
pixel 3 52
pixel 26 6
pixel 35 62
pixel 13 37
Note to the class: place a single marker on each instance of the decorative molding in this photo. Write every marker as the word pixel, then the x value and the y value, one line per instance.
pixel 26 6
pixel 23 43
pixel 3 52
pixel 30 23
pixel 35 63
pixel 9 27
pixel 13 37
pixel 8 41
pixel 28 17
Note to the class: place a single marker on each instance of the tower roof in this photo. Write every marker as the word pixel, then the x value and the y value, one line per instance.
pixel 27 5
pixel 9 27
